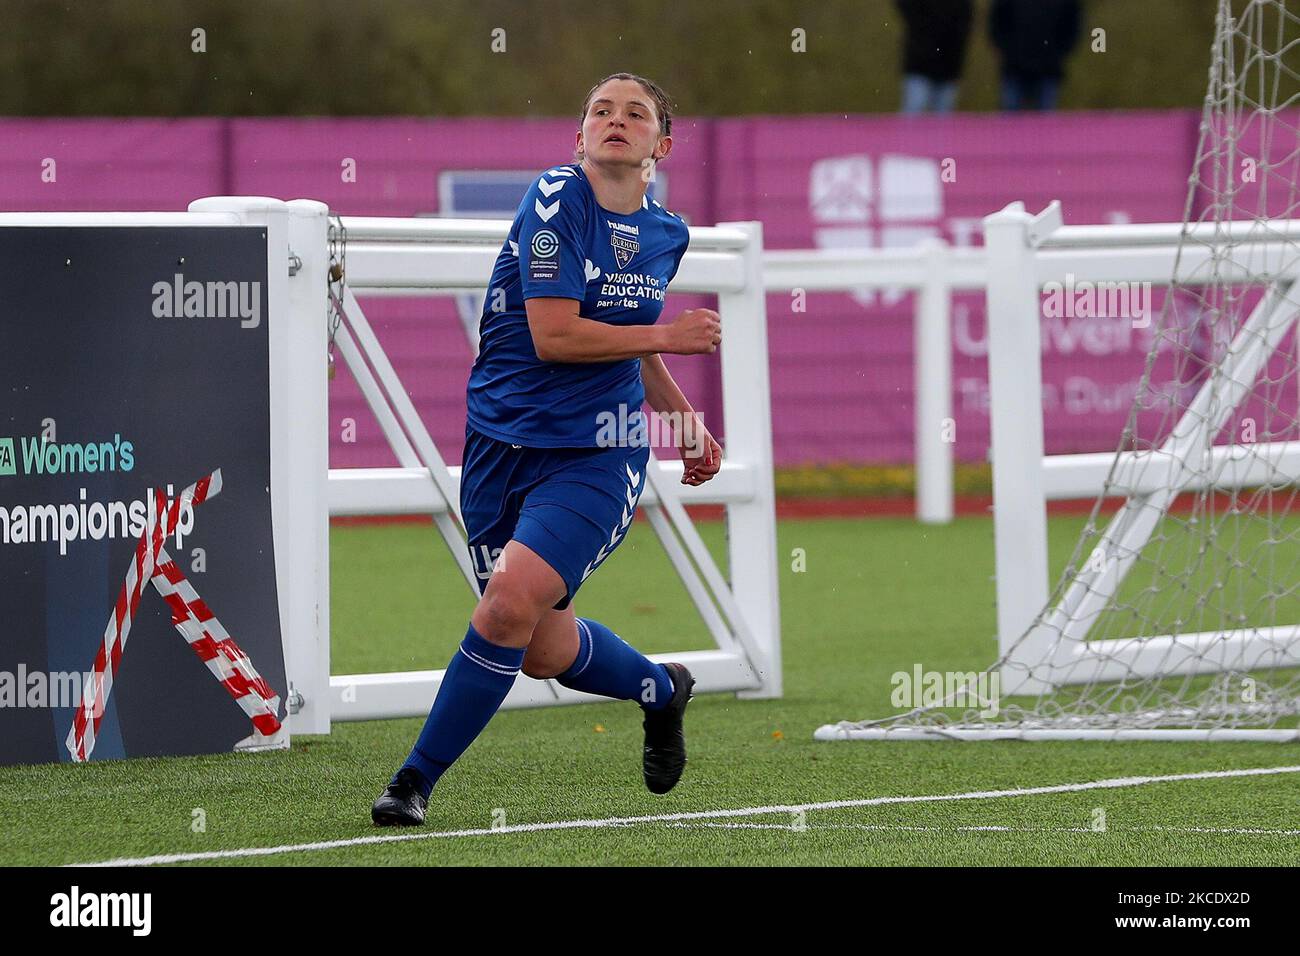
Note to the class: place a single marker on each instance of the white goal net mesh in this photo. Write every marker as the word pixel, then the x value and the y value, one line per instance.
pixel 1180 607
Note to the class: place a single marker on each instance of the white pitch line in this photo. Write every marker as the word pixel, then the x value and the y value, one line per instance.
pixel 1110 784
pixel 988 828
pixel 888 828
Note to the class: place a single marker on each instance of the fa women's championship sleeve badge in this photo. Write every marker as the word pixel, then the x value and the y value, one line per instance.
pixel 545 262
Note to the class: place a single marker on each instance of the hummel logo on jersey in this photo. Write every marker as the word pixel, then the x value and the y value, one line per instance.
pixel 550 189
pixel 546 212
pixel 592 271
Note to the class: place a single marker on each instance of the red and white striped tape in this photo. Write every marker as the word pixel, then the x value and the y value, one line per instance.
pixel 236 675
pixel 215 647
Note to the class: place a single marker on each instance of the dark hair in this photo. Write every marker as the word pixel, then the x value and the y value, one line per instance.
pixel 663 105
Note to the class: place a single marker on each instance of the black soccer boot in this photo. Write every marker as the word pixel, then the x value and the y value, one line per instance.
pixel 664 757
pixel 401 804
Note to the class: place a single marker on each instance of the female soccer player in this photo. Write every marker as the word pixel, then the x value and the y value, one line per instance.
pixel 555 443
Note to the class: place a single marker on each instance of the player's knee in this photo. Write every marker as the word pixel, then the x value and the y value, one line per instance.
pixel 504 616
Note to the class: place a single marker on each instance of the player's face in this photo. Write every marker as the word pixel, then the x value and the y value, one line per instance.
pixel 621 126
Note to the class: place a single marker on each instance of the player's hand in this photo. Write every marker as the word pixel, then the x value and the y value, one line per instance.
pixel 701 456
pixel 695 332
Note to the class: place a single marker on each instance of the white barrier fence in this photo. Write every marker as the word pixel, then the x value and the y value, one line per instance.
pixel 741 611
pixel 934 270
pixel 393 263
pixel 427 256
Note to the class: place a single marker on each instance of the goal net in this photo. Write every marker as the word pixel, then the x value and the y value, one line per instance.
pixel 1178 614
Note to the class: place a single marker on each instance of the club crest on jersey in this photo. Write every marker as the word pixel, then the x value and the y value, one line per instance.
pixel 625 247
pixel 623 237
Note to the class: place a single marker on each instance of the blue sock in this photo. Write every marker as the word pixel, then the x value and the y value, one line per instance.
pixel 608 665
pixel 477 681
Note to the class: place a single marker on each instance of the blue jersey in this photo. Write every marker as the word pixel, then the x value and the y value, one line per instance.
pixel 618 266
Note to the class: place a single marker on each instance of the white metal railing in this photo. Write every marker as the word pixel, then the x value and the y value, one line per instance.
pixel 387 257
pixel 416 256
pixel 1139 252
pixel 934 270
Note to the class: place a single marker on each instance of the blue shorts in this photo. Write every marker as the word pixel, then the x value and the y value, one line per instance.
pixel 572 506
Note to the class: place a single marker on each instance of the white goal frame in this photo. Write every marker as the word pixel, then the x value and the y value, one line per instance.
pixel 1023 252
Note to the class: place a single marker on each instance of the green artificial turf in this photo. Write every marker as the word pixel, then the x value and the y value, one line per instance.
pixel 878 596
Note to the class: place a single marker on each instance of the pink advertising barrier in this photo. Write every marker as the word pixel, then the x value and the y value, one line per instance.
pixel 841 370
